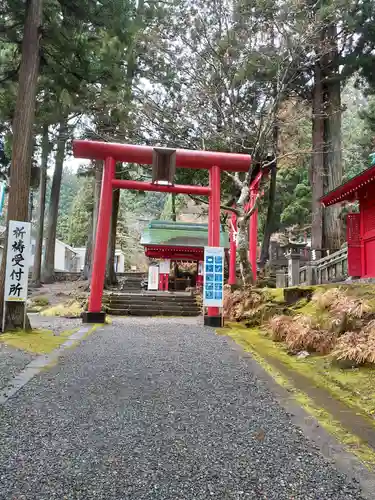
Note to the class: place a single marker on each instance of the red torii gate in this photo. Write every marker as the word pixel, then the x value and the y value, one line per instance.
pixel 111 153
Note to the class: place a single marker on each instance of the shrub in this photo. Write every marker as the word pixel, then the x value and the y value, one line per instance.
pixel 301 334
pixel 237 303
pixel 324 300
pixel 344 312
pixel 358 347
pixel 279 327
pixel 40 301
pixel 339 303
pixel 352 346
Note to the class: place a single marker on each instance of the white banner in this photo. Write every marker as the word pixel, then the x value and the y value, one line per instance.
pixel 200 268
pixel 164 266
pixel 153 277
pixel 213 276
pixel 18 260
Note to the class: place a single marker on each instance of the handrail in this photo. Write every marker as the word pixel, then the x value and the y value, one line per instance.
pixel 326 268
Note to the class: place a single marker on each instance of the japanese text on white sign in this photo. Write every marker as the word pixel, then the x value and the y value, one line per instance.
pixel 153 277
pixel 18 259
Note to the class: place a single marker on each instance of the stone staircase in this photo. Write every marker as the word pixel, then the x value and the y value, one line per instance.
pixel 151 304
pixel 131 282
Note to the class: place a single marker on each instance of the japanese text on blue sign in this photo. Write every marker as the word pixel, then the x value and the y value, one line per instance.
pixel 213 276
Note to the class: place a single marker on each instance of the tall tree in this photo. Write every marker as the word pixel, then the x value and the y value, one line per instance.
pixel 48 271
pixel 37 267
pixel 22 138
pixel 111 278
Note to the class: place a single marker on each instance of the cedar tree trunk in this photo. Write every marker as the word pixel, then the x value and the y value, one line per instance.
pixel 49 257
pixel 317 163
pixel 42 205
pixel 18 201
pixel 173 200
pixel 333 236
pixel 269 226
pixel 110 272
pixel 89 248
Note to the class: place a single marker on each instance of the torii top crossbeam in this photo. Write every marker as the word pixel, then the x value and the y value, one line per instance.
pixel 185 158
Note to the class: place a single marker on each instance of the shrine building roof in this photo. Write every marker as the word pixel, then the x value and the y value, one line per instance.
pixel 179 234
pixel 349 191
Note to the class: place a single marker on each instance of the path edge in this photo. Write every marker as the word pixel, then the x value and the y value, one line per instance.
pixel 44 361
pixel 326 443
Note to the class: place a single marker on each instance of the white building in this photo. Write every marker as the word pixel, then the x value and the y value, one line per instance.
pixel 66 258
pixel 119 259
pixel 69 259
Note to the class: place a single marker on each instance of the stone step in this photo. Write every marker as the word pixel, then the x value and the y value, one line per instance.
pixel 147 300
pixel 151 312
pixel 151 304
pixel 161 307
pixel 163 295
pixel 131 282
pixel 131 288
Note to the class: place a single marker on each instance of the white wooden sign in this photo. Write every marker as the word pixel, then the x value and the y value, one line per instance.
pixel 18 261
pixel 213 276
pixel 164 266
pixel 153 277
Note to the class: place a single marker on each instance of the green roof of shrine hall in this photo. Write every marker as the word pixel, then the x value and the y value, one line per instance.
pixel 179 234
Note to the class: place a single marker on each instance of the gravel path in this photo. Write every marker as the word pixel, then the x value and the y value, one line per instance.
pixel 12 361
pixel 157 410
pixel 54 323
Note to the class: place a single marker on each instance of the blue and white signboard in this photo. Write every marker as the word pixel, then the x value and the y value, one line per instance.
pixel 213 276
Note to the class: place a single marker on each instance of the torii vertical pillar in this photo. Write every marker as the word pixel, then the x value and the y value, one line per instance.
pixel 214 317
pixel 95 314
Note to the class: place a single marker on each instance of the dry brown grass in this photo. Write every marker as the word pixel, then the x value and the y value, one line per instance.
pixel 352 307
pixel 237 304
pixel 352 346
pixel 301 334
pixel 339 303
pixel 358 347
pixel 279 327
pixel 334 324
pixel 324 300
pixel 343 312
pixel 305 336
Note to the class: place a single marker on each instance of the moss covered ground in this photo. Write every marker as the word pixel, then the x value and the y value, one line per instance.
pixel 35 341
pixel 71 309
pixel 340 396
pixel 354 386
pixel 340 384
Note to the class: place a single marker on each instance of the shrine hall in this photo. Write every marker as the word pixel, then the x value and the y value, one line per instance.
pixel 168 243
pixel 360 227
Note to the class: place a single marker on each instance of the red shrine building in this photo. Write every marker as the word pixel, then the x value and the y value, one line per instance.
pixel 360 232
pixel 170 242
